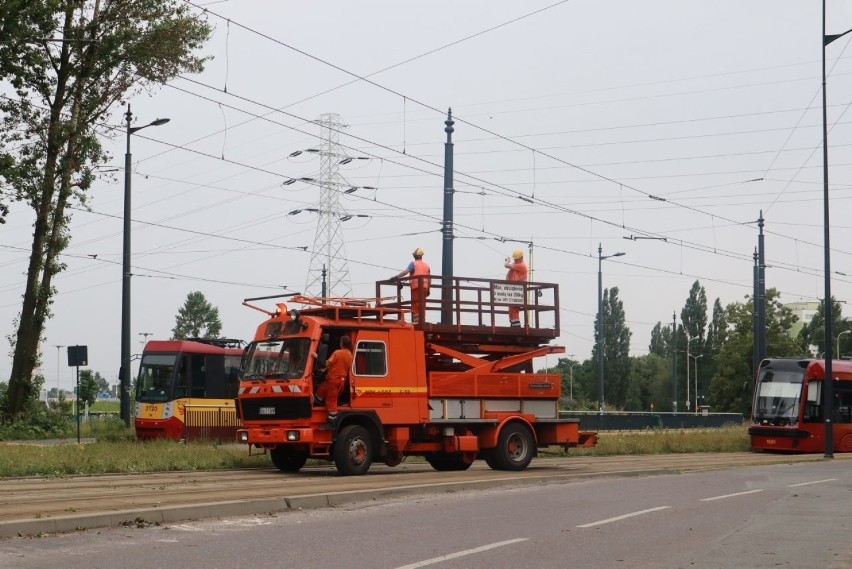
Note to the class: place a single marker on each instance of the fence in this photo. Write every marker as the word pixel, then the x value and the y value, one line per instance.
pixel 210 422
pixel 629 421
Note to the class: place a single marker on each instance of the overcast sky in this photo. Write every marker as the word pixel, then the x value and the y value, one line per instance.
pixel 586 109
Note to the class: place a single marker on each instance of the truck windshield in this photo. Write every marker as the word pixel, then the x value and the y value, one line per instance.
pixel 277 359
pixel 156 373
pixel 778 396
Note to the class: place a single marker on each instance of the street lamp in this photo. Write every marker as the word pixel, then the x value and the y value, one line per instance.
pixel 601 340
pixel 838 342
pixel 124 369
pixel 828 389
pixel 696 358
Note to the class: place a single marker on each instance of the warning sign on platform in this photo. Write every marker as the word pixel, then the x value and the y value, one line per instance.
pixel 507 293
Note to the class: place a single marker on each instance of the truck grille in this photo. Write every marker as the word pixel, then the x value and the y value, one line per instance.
pixel 275 408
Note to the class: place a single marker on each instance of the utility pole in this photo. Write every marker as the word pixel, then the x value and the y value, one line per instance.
pixel 328 256
pixel 447 228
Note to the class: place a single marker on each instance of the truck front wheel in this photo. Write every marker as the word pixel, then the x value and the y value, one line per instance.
pixel 515 448
pixel 288 459
pixel 353 451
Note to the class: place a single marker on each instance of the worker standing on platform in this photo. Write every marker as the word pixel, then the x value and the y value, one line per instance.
pixel 419 287
pixel 517 273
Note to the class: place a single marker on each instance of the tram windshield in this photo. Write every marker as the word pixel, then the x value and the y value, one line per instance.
pixel 156 373
pixel 778 396
pixel 277 359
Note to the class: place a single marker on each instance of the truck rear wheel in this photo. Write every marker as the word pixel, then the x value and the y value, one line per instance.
pixel 288 459
pixel 353 451
pixel 515 448
pixel 450 461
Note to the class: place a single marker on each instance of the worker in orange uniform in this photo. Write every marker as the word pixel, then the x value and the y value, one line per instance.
pixel 419 287
pixel 517 273
pixel 336 371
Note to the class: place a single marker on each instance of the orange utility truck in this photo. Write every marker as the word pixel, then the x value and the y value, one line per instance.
pixel 457 386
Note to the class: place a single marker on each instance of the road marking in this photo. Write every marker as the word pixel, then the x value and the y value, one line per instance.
pixel 624 517
pixel 814 482
pixel 462 553
pixel 729 496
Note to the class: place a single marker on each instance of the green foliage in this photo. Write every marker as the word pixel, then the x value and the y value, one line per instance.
pixel 88 388
pixel 650 384
pixel 814 332
pixel 616 349
pixel 734 360
pixel 197 318
pixel 40 420
pixel 661 341
pixel 67 63
pixel 122 456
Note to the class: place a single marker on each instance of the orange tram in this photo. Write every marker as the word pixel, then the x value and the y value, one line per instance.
pixel 787 411
pixel 186 389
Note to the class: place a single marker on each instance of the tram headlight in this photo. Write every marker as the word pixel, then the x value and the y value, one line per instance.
pixel 242 436
pixel 292 435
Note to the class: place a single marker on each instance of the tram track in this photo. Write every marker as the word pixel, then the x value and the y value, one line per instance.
pixel 27 499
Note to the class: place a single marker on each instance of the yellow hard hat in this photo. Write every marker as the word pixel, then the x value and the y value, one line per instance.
pixel 518 254
pixel 418 252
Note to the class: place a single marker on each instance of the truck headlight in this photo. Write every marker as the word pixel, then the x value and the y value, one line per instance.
pixel 242 436
pixel 292 435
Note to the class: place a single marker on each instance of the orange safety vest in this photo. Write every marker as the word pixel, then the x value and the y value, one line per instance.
pixel 420 269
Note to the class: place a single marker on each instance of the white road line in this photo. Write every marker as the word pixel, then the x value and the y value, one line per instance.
pixel 624 517
pixel 729 496
pixel 462 553
pixel 814 482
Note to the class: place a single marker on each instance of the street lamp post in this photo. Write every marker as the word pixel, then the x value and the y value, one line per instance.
pixel 601 340
pixel 571 379
pixel 696 358
pixel 838 342
pixel 58 358
pixel 828 389
pixel 124 369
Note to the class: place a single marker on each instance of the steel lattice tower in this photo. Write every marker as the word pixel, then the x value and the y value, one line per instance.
pixel 328 251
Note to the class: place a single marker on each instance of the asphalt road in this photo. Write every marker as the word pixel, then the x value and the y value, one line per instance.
pixel 781 515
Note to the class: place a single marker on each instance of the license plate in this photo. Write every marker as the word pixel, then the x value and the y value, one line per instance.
pixel 266 411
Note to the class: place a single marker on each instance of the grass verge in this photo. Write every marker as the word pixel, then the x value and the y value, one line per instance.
pixel 116 453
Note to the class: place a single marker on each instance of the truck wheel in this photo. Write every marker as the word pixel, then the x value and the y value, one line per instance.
pixel 353 451
pixel 288 459
pixel 450 461
pixel 515 448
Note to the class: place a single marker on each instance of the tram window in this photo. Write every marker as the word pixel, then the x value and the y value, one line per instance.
pixel 842 402
pixel 199 375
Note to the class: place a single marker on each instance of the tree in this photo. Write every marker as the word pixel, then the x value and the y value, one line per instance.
pixel 88 388
pixel 813 334
pixel 68 63
pixel 616 348
pixel 197 318
pixel 650 383
pixel 661 341
pixel 733 362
